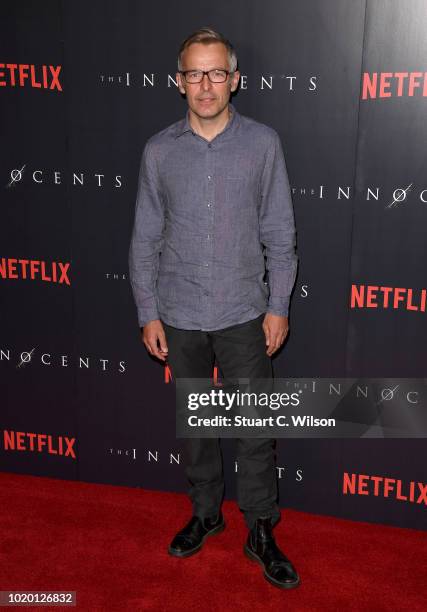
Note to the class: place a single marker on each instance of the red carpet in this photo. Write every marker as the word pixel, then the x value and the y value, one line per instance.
pixel 109 544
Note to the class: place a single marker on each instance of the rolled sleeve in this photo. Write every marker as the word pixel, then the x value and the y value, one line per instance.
pixel 147 239
pixel 277 229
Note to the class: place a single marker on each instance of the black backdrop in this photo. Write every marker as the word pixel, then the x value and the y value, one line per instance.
pixel 71 360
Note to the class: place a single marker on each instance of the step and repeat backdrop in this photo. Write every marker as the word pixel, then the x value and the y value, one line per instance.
pixel 82 87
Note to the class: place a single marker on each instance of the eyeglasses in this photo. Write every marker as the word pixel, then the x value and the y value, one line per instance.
pixel 217 75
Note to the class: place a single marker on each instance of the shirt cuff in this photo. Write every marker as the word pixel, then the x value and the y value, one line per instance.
pixel 146 315
pixel 278 306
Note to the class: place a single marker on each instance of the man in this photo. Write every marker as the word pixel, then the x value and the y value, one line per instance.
pixel 214 211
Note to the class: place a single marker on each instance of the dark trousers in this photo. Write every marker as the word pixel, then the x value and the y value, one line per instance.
pixel 240 351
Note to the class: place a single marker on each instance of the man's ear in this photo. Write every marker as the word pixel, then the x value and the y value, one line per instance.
pixel 179 81
pixel 235 80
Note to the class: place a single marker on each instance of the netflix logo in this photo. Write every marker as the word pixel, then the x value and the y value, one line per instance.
pixel 393 84
pixel 380 486
pixel 374 296
pixel 30 75
pixel 40 443
pixel 32 269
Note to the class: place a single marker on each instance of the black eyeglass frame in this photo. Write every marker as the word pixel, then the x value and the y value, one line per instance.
pixel 184 73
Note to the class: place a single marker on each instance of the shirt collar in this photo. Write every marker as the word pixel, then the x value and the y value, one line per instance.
pixel 184 124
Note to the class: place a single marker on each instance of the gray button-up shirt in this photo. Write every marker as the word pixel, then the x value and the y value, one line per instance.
pixel 210 219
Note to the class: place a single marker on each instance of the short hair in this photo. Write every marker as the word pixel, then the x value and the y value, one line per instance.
pixel 207 36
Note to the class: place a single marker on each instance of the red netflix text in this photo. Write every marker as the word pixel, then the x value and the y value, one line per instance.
pixel 32 269
pixel 381 486
pixel 375 296
pixel 41 443
pixel 393 84
pixel 29 75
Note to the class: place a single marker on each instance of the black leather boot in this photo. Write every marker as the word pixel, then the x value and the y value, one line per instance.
pixel 261 547
pixel 190 539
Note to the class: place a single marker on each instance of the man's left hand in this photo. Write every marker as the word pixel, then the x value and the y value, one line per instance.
pixel 276 329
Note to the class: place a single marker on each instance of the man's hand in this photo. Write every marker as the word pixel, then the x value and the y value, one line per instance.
pixel 154 338
pixel 276 329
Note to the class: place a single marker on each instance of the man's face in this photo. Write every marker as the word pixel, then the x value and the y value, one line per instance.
pixel 207 100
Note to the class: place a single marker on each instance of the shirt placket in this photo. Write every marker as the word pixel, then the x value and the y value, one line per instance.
pixel 208 236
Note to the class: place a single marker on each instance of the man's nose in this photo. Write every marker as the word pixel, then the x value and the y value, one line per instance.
pixel 206 84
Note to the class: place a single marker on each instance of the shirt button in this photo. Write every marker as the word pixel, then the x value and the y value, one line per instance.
pixel 209 204
pixel 206 265
pixel 209 146
pixel 209 177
